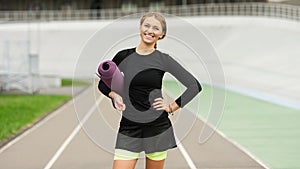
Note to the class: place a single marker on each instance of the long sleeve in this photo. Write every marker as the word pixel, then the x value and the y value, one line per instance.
pixel 118 58
pixel 192 85
pixel 103 88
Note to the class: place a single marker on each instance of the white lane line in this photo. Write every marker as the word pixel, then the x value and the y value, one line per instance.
pixel 186 156
pixel 243 149
pixel 183 151
pixel 72 135
pixel 234 143
pixel 33 128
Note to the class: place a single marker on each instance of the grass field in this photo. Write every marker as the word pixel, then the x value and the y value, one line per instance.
pixel 74 82
pixel 19 111
pixel 271 132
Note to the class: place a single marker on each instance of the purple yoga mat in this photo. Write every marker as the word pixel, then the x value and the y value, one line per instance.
pixel 111 75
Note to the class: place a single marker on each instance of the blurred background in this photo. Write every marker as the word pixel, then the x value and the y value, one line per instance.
pixel 31 30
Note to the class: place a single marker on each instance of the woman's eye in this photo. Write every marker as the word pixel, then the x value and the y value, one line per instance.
pixel 147 26
pixel 156 28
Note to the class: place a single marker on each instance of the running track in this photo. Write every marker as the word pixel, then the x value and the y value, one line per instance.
pixel 59 142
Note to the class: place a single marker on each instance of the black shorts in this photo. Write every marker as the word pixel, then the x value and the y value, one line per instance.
pixel 155 136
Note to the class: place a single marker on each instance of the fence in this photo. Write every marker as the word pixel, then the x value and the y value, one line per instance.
pixel 274 10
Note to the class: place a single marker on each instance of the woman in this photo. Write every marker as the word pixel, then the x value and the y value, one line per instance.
pixel 145 125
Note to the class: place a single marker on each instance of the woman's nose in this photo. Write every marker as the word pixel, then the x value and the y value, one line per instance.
pixel 150 30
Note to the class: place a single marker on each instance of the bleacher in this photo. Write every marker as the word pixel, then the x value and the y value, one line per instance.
pixel 277 10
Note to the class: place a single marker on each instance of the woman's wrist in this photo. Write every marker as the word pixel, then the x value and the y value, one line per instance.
pixel 170 110
pixel 172 107
pixel 112 94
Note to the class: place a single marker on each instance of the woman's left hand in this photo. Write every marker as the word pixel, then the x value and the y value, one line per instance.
pixel 159 104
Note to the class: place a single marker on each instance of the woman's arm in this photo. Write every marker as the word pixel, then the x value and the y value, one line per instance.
pixel 192 85
pixel 117 101
pixel 103 88
pixel 116 98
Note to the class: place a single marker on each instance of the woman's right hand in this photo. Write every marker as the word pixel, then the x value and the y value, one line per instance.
pixel 118 101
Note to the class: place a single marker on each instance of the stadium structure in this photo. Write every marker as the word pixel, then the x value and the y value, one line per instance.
pixel 29 53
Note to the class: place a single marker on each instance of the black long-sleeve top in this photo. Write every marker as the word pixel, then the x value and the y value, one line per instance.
pixel 143 76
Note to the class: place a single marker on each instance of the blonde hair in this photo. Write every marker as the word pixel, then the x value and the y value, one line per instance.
pixel 160 18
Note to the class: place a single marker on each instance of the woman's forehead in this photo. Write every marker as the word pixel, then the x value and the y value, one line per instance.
pixel 152 20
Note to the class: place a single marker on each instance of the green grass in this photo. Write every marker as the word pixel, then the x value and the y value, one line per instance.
pixel 19 111
pixel 269 131
pixel 70 82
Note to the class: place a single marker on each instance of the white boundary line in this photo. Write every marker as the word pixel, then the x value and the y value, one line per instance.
pixel 236 144
pixel 72 135
pixel 33 128
pixel 254 94
pixel 186 156
pixel 215 129
pixel 243 149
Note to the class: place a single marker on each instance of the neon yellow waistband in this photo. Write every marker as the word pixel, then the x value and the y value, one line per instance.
pixel 121 154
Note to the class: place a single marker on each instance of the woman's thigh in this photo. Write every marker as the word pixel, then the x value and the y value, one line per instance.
pixel 154 164
pixel 124 164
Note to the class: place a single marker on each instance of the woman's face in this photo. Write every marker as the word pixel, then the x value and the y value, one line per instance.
pixel 150 30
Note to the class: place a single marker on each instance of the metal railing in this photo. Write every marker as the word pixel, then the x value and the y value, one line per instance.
pixel 226 9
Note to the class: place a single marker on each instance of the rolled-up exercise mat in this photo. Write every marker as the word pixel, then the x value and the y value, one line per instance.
pixel 111 75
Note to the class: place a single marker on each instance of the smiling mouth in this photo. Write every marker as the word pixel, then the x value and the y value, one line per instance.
pixel 148 35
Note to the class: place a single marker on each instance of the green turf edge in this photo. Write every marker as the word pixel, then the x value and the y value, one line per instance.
pixel 18 112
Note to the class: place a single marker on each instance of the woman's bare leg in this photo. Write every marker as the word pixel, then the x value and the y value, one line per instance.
pixel 152 164
pixel 124 164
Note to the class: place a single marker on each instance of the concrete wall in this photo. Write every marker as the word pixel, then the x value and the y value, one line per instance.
pixel 257 54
